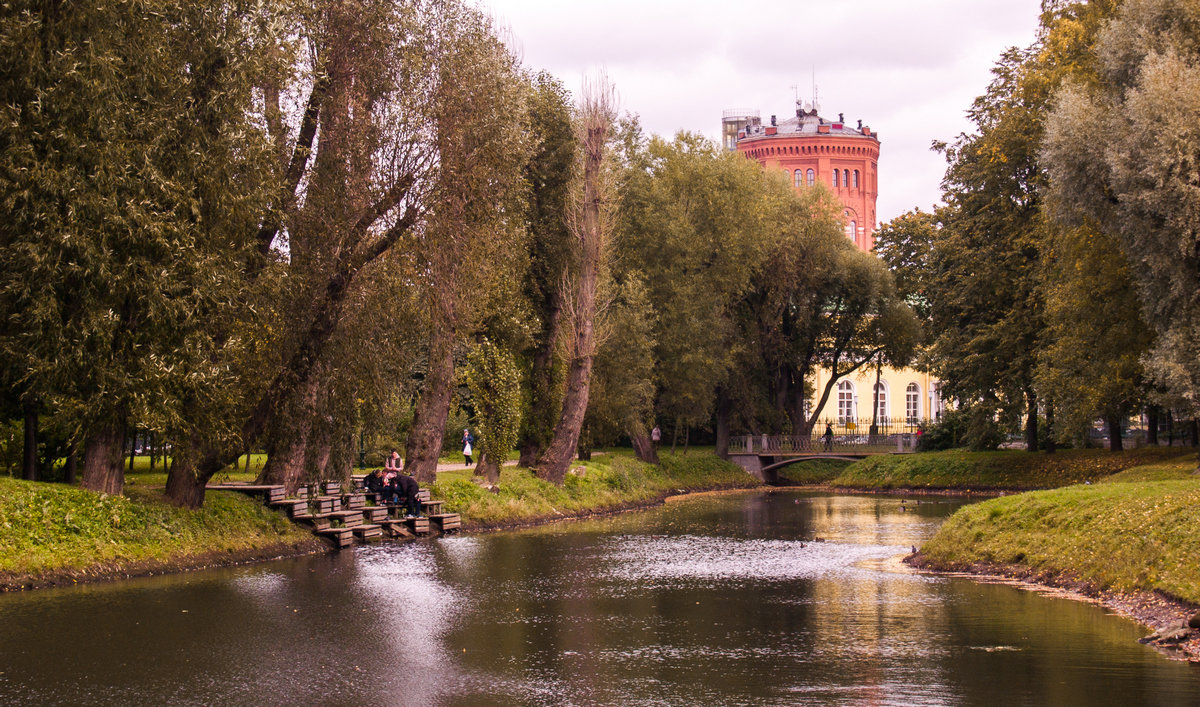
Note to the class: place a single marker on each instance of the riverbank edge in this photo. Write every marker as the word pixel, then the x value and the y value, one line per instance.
pixel 584 514
pixel 118 570
pixel 1152 609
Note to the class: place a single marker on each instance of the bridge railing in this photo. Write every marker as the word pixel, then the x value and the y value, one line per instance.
pixel 846 438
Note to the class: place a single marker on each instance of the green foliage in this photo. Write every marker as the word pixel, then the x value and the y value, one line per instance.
pixel 495 383
pixel 1109 172
pixel 49 527
pixel 818 471
pixel 949 432
pixel 621 397
pixel 1119 535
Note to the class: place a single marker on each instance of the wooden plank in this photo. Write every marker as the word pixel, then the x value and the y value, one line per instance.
pixel 420 526
pixel 434 506
pixel 447 521
pixel 354 500
pixel 347 517
pixel 332 488
pixel 366 531
pixel 375 514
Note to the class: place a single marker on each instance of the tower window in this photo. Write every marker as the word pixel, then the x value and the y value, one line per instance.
pixel 811 177
pixel 798 178
pixel 846 178
pixel 835 178
pixel 856 179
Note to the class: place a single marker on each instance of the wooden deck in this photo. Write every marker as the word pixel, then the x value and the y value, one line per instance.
pixel 343 518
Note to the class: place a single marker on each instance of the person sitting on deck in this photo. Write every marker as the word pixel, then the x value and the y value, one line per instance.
pixel 374 484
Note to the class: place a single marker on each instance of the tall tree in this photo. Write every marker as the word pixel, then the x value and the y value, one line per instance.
pixel 475 219
pixel 1110 168
pixel 549 174
pixel 590 220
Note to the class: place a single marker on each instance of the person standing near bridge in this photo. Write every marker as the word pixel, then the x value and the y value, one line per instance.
pixel 828 437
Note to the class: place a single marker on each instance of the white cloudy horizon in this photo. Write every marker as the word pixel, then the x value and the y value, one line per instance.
pixel 908 70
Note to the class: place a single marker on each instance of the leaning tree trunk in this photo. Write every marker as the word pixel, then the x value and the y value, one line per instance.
pixel 103 452
pixel 287 448
pixel 424 444
pixel 1113 422
pixel 1152 425
pixel 557 458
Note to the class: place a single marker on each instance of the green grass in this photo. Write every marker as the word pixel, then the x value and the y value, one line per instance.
pixel 610 481
pixel 1007 470
pixel 47 528
pixel 1119 535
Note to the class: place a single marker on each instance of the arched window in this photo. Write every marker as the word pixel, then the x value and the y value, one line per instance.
pixel 912 403
pixel 799 177
pixel 846 178
pixel 856 179
pixel 811 178
pixel 854 231
pixel 845 401
pixel 881 406
pixel 836 175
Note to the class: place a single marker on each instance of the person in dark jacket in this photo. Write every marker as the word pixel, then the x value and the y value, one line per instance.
pixel 374 484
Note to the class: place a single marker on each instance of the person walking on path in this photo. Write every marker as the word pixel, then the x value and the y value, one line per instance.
pixel 828 437
pixel 468 440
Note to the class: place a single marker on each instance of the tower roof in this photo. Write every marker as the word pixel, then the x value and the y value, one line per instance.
pixel 805 123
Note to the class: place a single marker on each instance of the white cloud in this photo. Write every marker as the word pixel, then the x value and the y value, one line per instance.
pixel 908 69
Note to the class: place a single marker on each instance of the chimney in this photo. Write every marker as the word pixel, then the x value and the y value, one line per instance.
pixel 772 121
pixel 841 117
pixel 860 124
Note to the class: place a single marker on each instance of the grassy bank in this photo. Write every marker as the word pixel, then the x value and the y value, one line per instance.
pixel 1004 470
pixel 1121 535
pixel 608 482
pixel 54 533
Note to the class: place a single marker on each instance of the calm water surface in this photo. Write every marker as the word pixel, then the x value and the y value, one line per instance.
pixel 714 600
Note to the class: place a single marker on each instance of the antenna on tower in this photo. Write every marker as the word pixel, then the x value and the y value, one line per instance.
pixel 815 104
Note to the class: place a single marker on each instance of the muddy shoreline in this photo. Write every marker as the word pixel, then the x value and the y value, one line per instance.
pixel 1152 609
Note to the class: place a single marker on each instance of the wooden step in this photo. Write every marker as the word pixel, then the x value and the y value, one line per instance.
pixel 326 504
pixel 434 506
pixel 446 521
pixel 420 526
pixel 332 488
pixel 354 500
pixel 317 523
pixel 374 514
pixel 348 518
pixel 341 537
pixel 366 531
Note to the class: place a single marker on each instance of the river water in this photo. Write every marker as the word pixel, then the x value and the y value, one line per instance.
pixel 733 599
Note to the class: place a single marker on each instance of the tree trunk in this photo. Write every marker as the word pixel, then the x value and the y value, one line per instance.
pixel 643 447
pixel 1031 422
pixel 554 462
pixel 102 459
pixel 71 468
pixel 132 448
pixel 185 483
pixel 1113 422
pixel 153 450
pixel 288 442
pixel 1195 430
pixel 424 444
pixel 724 408
pixel 29 453
pixel 1152 425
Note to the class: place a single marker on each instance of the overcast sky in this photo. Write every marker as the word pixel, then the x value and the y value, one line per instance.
pixel 909 69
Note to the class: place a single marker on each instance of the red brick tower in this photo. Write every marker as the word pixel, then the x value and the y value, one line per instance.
pixel 810 148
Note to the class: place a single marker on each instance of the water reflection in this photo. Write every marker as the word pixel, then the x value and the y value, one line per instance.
pixel 747 598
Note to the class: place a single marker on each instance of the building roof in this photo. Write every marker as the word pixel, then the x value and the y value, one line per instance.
pixel 803 124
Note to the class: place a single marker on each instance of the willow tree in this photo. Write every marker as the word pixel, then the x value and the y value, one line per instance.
pixel 1109 169
pixel 590 220
pixel 475 226
pixel 134 173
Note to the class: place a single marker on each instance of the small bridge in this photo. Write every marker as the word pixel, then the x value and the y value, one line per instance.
pixel 763 455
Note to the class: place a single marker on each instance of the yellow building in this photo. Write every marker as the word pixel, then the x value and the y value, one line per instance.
pixel 907 397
